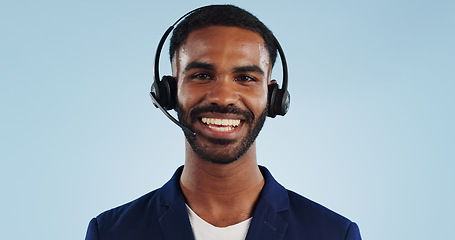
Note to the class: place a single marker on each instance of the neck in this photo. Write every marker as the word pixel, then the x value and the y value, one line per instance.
pixel 222 194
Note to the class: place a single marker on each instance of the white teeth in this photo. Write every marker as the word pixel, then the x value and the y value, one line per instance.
pixel 223 124
pixel 222 129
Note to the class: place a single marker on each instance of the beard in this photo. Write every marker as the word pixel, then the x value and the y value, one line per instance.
pixel 226 151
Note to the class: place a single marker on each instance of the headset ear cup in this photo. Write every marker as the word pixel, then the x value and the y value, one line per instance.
pixel 156 92
pixel 272 90
pixel 282 102
pixel 278 101
pixel 168 92
pixel 165 92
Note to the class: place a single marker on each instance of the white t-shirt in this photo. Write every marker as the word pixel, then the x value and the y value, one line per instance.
pixel 203 230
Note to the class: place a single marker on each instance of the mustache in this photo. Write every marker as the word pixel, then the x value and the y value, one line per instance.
pixel 248 115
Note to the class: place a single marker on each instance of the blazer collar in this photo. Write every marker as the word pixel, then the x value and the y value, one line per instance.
pixel 267 222
pixel 275 194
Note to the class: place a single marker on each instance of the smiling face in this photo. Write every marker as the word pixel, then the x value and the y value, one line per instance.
pixel 222 76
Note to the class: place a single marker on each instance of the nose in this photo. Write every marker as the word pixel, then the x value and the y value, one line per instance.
pixel 223 92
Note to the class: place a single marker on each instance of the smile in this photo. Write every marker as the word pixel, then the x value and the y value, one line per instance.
pixel 220 124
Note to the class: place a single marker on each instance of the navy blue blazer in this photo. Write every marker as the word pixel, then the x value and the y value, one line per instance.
pixel 279 214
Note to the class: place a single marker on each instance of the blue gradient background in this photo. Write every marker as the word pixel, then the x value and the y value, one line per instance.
pixel 369 134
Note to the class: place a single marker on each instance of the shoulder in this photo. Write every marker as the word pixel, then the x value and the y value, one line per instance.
pixel 317 219
pixel 311 209
pixel 131 210
pixel 299 210
pixel 135 218
pixel 305 219
pixel 140 217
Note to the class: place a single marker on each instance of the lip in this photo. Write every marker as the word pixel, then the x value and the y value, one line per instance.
pixel 221 115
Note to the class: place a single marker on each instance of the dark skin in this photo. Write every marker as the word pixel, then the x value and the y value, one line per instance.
pixel 223 66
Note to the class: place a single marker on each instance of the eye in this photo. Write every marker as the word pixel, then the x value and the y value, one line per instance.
pixel 245 78
pixel 201 76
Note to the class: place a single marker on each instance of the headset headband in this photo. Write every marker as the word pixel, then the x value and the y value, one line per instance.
pixel 169 30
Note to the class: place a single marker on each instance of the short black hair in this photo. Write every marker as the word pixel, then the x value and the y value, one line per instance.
pixel 221 15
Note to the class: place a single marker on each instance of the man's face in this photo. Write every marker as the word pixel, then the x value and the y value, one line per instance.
pixel 222 76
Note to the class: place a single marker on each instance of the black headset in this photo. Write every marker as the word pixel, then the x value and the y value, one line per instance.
pixel 164 91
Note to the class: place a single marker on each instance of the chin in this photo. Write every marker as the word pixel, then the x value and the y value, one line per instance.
pixel 225 155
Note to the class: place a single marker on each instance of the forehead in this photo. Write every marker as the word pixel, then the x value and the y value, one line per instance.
pixel 224 42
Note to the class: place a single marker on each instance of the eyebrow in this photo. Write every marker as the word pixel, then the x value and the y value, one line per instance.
pixel 252 68
pixel 193 65
pixel 208 66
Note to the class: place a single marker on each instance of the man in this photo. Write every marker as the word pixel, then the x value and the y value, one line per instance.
pixel 222 57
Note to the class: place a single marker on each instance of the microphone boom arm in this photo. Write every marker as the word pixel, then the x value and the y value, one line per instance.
pixel 185 129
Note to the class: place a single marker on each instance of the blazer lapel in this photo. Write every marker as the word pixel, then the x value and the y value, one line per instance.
pixel 268 218
pixel 266 224
pixel 175 223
